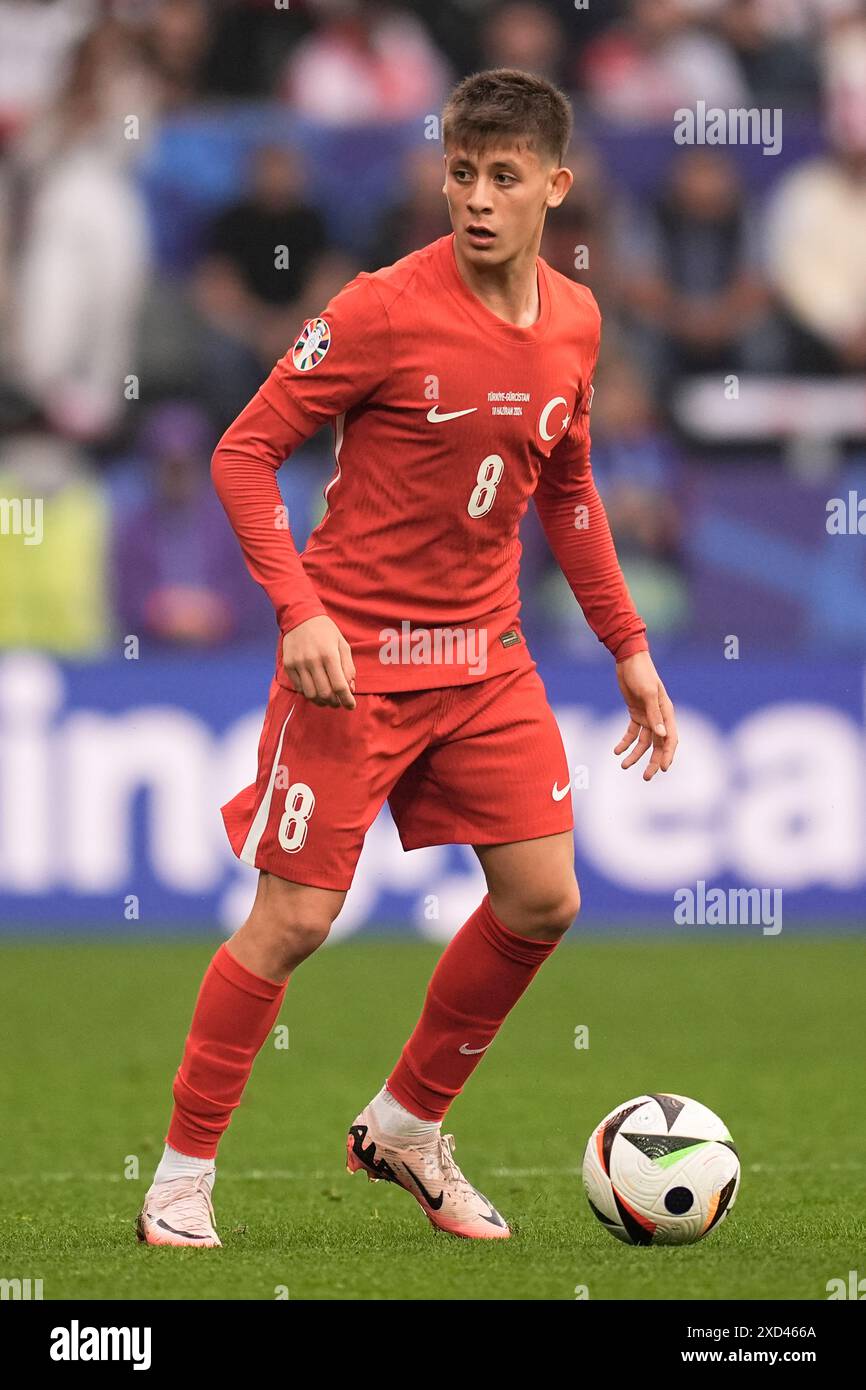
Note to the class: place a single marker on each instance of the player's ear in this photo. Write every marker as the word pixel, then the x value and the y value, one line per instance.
pixel 559 186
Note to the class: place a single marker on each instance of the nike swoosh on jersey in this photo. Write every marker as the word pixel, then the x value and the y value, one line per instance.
pixel 470 1051
pixel 435 418
pixel 557 794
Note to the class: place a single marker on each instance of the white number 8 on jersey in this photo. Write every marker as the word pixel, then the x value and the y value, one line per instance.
pixel 484 493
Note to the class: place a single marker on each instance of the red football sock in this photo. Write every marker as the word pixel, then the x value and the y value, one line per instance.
pixel 234 1014
pixel 480 976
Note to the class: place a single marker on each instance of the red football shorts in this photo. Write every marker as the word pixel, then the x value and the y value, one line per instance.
pixel 477 764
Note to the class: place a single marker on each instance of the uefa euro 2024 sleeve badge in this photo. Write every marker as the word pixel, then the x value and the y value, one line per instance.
pixel 312 344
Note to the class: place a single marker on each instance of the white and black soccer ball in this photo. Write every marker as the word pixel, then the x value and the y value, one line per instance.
pixel 661 1170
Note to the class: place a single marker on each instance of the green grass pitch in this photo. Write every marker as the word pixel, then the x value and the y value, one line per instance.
pixel 767 1032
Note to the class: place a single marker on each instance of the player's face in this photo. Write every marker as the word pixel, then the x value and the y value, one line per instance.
pixel 498 198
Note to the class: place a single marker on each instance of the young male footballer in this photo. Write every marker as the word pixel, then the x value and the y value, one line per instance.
pixel 459 383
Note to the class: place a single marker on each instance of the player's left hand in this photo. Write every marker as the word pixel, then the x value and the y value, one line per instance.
pixel 651 715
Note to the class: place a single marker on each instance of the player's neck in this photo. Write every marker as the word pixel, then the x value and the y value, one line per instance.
pixel 509 290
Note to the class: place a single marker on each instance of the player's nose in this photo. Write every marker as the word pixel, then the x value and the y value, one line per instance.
pixel 479 201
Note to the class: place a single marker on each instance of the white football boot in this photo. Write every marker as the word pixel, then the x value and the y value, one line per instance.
pixel 429 1172
pixel 178 1212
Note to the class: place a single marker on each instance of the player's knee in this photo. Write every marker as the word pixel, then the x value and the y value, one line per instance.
pixel 293 929
pixel 300 934
pixel 550 915
pixel 558 911
pixel 292 920
pixel 563 911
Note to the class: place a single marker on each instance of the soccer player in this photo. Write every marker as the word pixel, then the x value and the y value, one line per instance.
pixel 459 384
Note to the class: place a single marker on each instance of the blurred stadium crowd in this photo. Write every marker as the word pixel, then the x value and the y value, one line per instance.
pixel 155 153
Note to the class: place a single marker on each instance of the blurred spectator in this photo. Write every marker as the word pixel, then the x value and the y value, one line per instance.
pixel 636 466
pixel 367 62
pixel 178 575
pixel 418 218
pixel 85 248
pixel 250 41
pixel 779 68
pixel 261 250
pixel 53 588
pixel 258 274
pixel 177 40
pixel 692 278
pixel 525 34
pixel 816 223
pixel 462 28
pixel 35 38
pixel 453 25
pixel 6 277
pixel 645 68
pixel 330 273
pixel 580 237
pixel 783 19
pixel 638 473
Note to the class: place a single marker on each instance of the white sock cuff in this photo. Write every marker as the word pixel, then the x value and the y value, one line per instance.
pixel 174 1164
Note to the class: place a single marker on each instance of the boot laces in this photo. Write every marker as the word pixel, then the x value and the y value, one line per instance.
pixel 186 1205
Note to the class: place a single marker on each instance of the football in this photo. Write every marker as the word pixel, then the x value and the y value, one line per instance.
pixel 661 1170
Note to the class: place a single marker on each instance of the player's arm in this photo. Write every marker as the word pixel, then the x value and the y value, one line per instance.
pixel 304 390
pixel 244 466
pixel 577 529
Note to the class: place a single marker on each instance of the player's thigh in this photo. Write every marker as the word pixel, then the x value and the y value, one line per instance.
pixel 532 884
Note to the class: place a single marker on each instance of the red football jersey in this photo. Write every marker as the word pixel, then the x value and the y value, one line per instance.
pixel 447 419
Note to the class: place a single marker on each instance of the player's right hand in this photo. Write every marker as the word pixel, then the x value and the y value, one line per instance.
pixel 318 661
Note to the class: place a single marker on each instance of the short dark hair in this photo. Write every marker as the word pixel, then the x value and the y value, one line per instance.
pixel 503 102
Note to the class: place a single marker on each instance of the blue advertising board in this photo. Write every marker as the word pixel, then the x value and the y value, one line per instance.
pixel 112 774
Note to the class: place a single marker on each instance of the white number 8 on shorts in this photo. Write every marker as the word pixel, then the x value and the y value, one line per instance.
pixel 293 824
